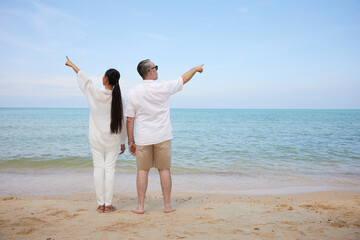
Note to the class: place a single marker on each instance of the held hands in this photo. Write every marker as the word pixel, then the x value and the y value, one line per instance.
pixel 122 149
pixel 132 149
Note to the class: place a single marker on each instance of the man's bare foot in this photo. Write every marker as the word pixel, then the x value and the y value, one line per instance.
pixel 138 210
pixel 169 210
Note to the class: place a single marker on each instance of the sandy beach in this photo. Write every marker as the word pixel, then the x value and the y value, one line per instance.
pixel 319 215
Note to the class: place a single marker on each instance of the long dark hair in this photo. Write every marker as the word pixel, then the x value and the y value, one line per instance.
pixel 116 103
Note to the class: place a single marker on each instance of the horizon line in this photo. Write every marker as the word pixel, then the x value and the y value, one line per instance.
pixel 194 108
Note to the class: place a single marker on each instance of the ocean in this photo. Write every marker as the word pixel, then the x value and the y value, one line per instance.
pixel 46 151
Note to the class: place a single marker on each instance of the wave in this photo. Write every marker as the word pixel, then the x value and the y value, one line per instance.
pixel 39 163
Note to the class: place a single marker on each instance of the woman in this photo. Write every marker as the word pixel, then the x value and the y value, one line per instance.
pixel 106 131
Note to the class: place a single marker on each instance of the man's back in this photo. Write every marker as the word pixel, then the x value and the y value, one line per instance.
pixel 148 103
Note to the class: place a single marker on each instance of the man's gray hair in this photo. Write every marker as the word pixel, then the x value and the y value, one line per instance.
pixel 143 67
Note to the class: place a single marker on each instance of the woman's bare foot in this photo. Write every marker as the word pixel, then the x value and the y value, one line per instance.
pixel 101 208
pixel 138 210
pixel 110 208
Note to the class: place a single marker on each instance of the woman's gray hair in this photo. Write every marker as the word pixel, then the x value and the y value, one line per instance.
pixel 143 67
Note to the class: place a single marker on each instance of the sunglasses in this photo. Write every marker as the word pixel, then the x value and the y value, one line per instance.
pixel 156 67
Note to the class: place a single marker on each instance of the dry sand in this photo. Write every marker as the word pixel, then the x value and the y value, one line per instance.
pixel 321 215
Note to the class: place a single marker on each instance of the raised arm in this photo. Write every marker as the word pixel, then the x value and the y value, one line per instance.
pixel 70 64
pixel 188 75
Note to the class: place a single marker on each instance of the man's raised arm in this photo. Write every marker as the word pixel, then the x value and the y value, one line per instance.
pixel 188 75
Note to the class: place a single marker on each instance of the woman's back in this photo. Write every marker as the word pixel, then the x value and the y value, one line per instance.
pixel 99 101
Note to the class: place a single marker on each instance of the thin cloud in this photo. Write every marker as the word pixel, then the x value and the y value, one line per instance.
pixel 155 36
pixel 45 18
pixel 49 23
pixel 54 86
pixel 15 12
pixel 243 10
pixel 38 90
pixel 8 39
pixel 49 11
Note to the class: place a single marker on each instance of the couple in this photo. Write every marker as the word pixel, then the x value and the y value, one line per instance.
pixel 148 110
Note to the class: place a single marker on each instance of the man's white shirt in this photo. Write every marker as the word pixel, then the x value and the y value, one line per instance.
pixel 148 103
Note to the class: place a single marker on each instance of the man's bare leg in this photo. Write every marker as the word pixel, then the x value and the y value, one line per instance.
pixel 141 184
pixel 166 183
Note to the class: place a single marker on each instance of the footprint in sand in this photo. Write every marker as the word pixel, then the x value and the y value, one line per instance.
pixel 8 198
pixel 81 210
pixel 339 224
pixel 63 213
pixel 237 231
pixel 170 236
pixel 30 223
pixel 189 233
pixel 58 212
pixel 26 231
pixel 282 207
pixel 33 219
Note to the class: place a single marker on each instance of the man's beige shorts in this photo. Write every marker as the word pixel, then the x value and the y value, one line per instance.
pixel 158 155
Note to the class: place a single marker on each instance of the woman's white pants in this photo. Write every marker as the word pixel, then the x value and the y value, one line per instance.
pixel 104 173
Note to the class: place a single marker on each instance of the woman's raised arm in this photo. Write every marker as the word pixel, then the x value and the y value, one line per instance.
pixel 70 64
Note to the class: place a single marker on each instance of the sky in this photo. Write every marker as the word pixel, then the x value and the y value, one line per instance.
pixel 264 54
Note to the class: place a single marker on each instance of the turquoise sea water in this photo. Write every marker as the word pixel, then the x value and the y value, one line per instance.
pixel 287 147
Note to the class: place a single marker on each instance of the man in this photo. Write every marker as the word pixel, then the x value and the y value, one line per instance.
pixel 148 108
